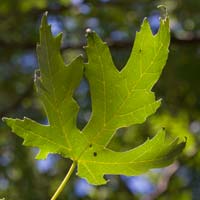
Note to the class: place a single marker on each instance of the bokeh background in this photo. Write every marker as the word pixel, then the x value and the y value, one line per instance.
pixel 116 21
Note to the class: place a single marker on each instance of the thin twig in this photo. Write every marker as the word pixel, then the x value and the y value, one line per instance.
pixel 123 44
pixel 64 182
pixel 164 181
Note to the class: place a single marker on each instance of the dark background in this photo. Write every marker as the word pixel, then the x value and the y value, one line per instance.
pixel 24 178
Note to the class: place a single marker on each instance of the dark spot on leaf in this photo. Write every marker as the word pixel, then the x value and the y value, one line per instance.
pixel 163 128
pixel 95 154
pixel 140 50
pixel 90 145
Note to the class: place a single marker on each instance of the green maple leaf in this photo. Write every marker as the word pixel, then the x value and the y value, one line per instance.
pixel 119 99
pixel 55 84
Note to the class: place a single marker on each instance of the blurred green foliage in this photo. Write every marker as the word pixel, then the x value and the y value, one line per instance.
pixel 24 178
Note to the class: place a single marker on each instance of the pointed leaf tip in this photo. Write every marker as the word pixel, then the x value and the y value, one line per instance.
pixel 44 19
pixel 145 26
pixel 145 20
pixel 89 33
pixel 93 39
pixel 45 13
pixel 4 119
pixel 7 120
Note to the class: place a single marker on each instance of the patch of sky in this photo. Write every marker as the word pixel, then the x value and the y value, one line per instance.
pixel 81 95
pixel 70 23
pixel 3 183
pixel 82 188
pixel 76 2
pixel 56 25
pixel 5 158
pixel 139 184
pixel 48 164
pixel 92 23
pixel 154 22
pixel 175 25
pixel 84 9
pixel 195 127
pixel 27 62
pixel 83 87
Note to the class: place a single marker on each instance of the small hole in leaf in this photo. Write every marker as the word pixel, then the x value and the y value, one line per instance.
pixel 95 154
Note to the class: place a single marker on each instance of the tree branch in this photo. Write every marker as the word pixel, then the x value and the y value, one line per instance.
pixel 123 44
pixel 164 181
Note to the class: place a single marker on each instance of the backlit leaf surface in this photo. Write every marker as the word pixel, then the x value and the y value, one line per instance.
pixel 119 99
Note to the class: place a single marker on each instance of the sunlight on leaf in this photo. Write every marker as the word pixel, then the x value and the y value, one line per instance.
pixel 119 99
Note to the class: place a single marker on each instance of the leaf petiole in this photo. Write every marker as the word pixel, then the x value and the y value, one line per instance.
pixel 64 182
